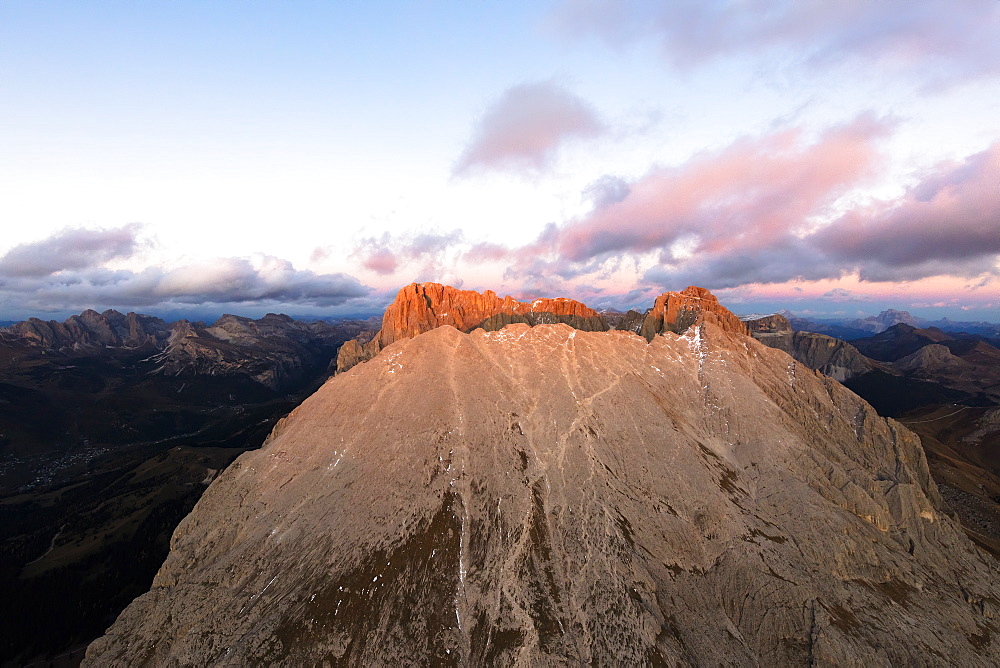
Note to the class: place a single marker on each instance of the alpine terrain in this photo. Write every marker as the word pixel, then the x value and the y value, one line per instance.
pixel 541 495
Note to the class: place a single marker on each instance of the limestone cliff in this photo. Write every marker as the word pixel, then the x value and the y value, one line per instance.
pixel 421 307
pixel 676 311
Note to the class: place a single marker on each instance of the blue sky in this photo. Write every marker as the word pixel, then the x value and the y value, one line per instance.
pixel 312 157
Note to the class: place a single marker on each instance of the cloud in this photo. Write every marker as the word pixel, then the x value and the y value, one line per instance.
pixel 941 43
pixel 388 253
pixel 747 195
pixel 263 278
pixel 525 127
pixel 606 191
pixel 771 209
pixel 32 281
pixel 375 255
pixel 70 249
pixel 949 223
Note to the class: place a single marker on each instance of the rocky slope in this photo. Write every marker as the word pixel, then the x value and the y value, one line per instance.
pixel 535 496
pixel 946 386
pixel 837 359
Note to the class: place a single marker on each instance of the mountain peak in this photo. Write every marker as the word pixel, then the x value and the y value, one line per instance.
pixel 677 311
pixel 421 307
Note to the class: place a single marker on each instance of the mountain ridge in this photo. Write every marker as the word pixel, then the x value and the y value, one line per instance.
pixel 421 307
pixel 274 350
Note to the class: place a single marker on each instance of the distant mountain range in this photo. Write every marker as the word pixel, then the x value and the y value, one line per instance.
pixel 857 328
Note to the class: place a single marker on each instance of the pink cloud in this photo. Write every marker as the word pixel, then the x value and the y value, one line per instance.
pixel 749 215
pixel 526 126
pixel 749 194
pixel 382 261
pixel 947 223
pixel 385 255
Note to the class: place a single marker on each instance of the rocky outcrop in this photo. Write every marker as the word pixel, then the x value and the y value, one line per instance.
pixel 833 357
pixel 767 324
pixel 548 496
pixel 676 311
pixel 421 307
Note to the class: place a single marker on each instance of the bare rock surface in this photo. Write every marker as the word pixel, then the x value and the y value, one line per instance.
pixel 833 357
pixel 421 307
pixel 548 496
pixel 676 311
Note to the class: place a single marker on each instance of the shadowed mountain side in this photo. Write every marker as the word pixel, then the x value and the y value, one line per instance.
pixel 274 351
pixel 837 359
pixel 898 341
pixel 630 321
pixel 545 495
pixel 111 426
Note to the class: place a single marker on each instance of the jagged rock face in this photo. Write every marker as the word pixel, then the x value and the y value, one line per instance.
pixel 768 324
pixel 90 329
pixel 544 495
pixel 630 321
pixel 833 357
pixel 676 311
pixel 421 307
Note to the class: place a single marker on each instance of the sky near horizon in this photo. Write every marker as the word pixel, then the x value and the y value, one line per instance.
pixel 832 157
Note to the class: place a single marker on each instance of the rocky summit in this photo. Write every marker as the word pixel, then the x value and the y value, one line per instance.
pixel 544 495
pixel 421 307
